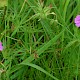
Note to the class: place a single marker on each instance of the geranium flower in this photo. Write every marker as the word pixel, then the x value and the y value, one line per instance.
pixel 77 21
pixel 1 47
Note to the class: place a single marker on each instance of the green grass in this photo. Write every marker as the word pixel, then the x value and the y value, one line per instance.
pixel 40 40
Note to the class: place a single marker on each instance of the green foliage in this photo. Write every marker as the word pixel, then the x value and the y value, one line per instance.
pixel 3 3
pixel 40 40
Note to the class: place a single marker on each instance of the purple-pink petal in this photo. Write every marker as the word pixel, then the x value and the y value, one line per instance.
pixel 77 21
pixel 1 47
pixel 77 24
pixel 77 18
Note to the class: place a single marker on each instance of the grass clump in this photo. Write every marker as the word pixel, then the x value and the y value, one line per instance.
pixel 40 40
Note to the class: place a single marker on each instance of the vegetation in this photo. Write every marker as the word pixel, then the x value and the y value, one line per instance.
pixel 40 40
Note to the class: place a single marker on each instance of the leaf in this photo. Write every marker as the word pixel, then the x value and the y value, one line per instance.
pixel 3 3
pixel 40 69
pixel 45 47
pixel 70 44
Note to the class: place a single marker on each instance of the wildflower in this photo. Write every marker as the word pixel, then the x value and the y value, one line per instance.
pixel 77 21
pixel 1 47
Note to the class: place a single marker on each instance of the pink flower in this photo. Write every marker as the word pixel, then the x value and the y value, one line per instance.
pixel 1 47
pixel 77 21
